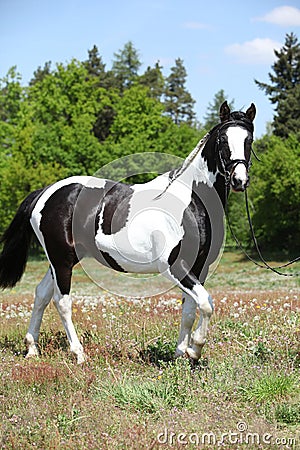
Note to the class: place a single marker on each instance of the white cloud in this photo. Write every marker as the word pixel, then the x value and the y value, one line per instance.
pixel 196 26
pixel 282 15
pixel 257 51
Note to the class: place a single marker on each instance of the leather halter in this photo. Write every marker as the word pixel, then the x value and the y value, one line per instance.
pixel 227 168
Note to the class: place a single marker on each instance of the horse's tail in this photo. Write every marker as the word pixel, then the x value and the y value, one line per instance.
pixel 16 240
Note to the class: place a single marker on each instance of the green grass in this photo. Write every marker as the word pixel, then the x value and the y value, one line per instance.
pixel 287 413
pixel 170 389
pixel 271 386
pixel 131 389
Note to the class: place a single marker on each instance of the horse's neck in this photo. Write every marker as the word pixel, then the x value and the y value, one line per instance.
pixel 201 167
pixel 222 190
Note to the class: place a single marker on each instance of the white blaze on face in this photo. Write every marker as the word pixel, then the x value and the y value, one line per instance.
pixel 236 140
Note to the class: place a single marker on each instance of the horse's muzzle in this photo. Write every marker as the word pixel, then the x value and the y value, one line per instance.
pixel 239 184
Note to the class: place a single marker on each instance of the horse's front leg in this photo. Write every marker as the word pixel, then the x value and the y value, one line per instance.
pixel 187 321
pixel 191 286
pixel 199 336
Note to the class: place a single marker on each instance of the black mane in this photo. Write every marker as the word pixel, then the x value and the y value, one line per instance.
pixel 240 116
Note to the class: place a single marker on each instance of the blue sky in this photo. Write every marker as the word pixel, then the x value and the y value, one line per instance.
pixel 224 45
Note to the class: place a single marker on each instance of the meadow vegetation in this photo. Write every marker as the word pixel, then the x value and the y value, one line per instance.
pixel 131 393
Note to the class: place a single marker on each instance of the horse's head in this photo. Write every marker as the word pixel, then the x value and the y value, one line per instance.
pixel 233 145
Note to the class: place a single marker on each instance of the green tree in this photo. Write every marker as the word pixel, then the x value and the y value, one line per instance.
pixel 40 73
pixel 11 93
pixel 178 101
pixel 11 98
pixel 57 119
pixel 18 180
pixel 287 119
pixel 284 86
pixel 126 65
pixel 141 126
pixel 103 79
pixel 138 114
pixel 275 193
pixel 97 69
pixel 212 117
pixel 95 66
pixel 154 80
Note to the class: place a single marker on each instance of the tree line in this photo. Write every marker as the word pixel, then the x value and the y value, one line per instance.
pixel 73 118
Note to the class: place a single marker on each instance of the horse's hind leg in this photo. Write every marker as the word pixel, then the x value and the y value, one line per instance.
pixel 63 303
pixel 43 294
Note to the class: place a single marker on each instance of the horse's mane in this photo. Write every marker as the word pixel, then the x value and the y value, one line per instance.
pixel 174 174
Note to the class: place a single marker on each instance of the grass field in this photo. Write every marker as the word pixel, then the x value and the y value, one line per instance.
pixel 131 394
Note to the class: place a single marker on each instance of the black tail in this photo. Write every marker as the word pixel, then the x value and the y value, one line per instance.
pixel 16 240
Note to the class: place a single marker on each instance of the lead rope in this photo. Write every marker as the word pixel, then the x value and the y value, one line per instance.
pixel 274 269
pixel 265 264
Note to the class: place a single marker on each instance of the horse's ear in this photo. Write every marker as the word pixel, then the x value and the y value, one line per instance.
pixel 224 112
pixel 251 112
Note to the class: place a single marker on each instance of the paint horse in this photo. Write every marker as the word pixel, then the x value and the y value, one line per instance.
pixel 173 225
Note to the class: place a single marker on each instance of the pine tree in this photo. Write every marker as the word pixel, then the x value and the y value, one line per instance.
pixel 94 64
pixel 178 102
pixel 212 115
pixel 126 65
pixel 284 87
pixel 102 79
pixel 11 96
pixel 154 80
pixel 287 119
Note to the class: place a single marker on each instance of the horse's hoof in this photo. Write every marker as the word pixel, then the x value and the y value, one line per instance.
pixel 192 354
pixel 179 353
pixel 81 358
pixel 32 354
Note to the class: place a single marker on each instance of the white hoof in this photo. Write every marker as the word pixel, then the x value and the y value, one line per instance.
pixel 81 358
pixel 32 350
pixel 32 353
pixel 193 354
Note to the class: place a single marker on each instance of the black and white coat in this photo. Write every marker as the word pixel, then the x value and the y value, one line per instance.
pixel 172 225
